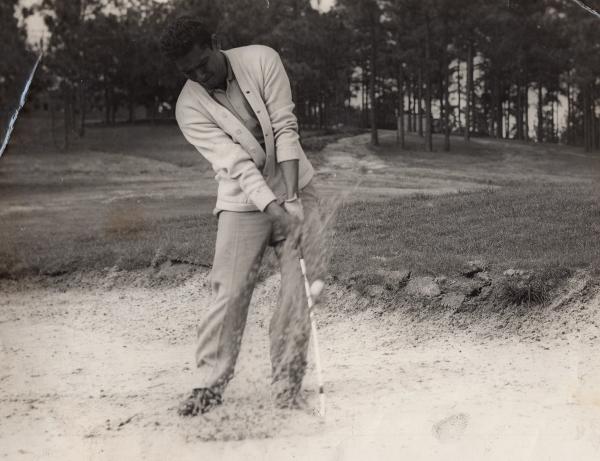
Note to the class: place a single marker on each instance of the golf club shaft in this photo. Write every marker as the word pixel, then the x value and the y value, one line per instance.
pixel 313 328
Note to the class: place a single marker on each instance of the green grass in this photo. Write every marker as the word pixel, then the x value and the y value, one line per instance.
pixel 525 227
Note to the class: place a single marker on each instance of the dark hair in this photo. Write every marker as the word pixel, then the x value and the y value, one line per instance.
pixel 180 36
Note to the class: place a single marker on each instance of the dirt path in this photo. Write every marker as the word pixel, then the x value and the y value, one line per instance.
pixel 357 171
pixel 96 373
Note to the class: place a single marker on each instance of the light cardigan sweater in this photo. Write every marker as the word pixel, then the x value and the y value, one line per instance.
pixel 249 176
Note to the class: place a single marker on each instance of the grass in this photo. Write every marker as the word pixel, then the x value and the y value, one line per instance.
pixel 525 227
pixel 529 227
pixel 53 250
pixel 549 228
pixel 532 288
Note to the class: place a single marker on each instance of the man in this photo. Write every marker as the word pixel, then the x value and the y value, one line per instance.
pixel 236 109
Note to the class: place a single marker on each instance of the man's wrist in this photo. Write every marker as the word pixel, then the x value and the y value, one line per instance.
pixel 292 198
pixel 274 209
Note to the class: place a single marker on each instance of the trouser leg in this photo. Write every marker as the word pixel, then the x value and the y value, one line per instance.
pixel 241 242
pixel 290 324
pixel 289 328
pixel 313 248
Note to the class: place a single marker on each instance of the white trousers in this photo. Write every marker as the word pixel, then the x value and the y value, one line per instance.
pixel 242 238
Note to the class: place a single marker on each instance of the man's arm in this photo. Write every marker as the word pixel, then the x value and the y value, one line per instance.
pixel 227 158
pixel 278 100
pixel 290 176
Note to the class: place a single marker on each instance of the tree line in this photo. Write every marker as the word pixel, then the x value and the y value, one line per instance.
pixel 16 58
pixel 513 69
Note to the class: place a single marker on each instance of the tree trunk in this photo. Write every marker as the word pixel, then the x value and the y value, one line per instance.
pixel 419 101
pixel 442 107
pixel 413 106
pixel 569 109
pixel 400 114
pixel 83 109
pixel 469 92
pixel 67 117
pixel 592 118
pixel 52 103
pixel 445 79
pixel 507 119
pixel 106 106
pixel 446 112
pixel 587 122
pixel 459 95
pixel 499 108
pixel 131 107
pixel 526 109
pixel 584 113
pixel 407 95
pixel 428 96
pixel 113 106
pixel 363 117
pixel 595 120
pixel 322 114
pixel 519 111
pixel 373 81
pixel 540 115
pixel 552 122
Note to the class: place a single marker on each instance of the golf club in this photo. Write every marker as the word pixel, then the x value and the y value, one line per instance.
pixel 313 327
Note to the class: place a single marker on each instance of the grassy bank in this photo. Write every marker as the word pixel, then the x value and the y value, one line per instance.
pixel 524 226
pixel 134 197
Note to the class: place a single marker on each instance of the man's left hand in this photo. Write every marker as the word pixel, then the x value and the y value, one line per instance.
pixel 295 209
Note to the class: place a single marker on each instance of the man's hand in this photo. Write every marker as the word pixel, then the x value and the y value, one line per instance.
pixel 285 225
pixel 294 207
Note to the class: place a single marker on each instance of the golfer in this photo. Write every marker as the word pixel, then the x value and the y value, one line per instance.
pixel 236 109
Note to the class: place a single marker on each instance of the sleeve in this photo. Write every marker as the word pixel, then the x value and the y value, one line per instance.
pixel 227 158
pixel 278 100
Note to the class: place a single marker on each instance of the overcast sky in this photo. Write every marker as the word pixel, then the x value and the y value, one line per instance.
pixel 325 4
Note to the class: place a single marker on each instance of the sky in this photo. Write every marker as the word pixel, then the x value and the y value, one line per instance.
pixel 325 4
pixel 35 24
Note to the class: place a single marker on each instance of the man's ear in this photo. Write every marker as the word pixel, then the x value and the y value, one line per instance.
pixel 215 42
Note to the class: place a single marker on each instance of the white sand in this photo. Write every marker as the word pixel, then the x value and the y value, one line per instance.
pixel 96 373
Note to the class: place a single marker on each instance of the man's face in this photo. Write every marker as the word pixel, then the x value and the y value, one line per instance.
pixel 205 66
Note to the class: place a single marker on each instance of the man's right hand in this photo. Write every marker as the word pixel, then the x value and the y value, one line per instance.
pixel 285 226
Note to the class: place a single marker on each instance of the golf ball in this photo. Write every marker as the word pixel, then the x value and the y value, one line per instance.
pixel 316 288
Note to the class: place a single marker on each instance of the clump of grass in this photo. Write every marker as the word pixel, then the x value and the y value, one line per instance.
pixel 533 288
pixel 360 281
